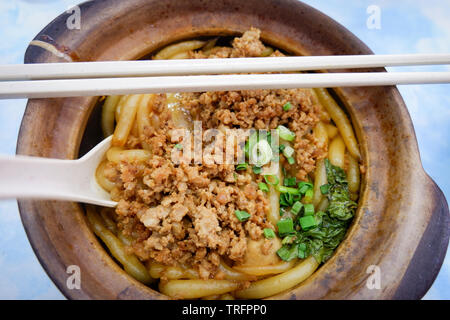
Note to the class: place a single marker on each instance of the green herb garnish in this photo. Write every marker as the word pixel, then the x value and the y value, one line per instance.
pixel 340 207
pixel 288 106
pixel 304 186
pixel 241 166
pixel 256 170
pixel 285 133
pixel 287 253
pixel 271 179
pixel 285 226
pixel 242 215
pixel 321 232
pixel 289 190
pixel 290 182
pixel 296 207
pixel 307 222
pixel 324 188
pixel 288 151
pixel 309 194
pixel 309 209
pixel 283 200
pixel 262 186
pixel 269 233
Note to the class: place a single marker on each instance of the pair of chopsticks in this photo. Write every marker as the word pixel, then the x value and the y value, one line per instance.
pixel 197 75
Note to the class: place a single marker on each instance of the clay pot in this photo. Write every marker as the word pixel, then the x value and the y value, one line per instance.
pixel 402 222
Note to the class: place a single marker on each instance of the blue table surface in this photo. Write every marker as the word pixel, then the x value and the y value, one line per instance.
pixel 413 26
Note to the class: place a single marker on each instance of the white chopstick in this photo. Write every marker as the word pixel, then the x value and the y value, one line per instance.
pixel 118 86
pixel 112 69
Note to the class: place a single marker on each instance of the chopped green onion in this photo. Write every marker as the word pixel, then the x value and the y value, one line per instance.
pixel 324 188
pixel 291 160
pixel 271 179
pixel 284 253
pixel 288 151
pixel 256 170
pixel 285 226
pixel 262 186
pixel 268 233
pixel 302 246
pixel 297 197
pixel 288 240
pixel 289 198
pixel 261 153
pixel 241 166
pixel 281 147
pixel 178 146
pixel 304 186
pixel 307 222
pixel 296 207
pixel 285 133
pixel 305 183
pixel 242 215
pixel 290 182
pixel 283 201
pixel 287 254
pixel 282 212
pixel 288 106
pixel 302 250
pixel 289 190
pixel 309 209
pixel 318 216
pixel 309 194
pixel 301 254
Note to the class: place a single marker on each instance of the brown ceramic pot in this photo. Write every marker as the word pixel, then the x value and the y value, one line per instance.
pixel 402 224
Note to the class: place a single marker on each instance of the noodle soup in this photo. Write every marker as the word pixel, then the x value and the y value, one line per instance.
pixel 206 228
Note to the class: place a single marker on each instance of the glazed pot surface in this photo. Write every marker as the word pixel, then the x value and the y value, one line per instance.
pixel 401 211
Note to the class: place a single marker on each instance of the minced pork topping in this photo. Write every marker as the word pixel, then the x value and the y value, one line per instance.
pixel 185 213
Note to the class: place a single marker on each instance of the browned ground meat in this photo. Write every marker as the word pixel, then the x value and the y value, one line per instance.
pixel 186 213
